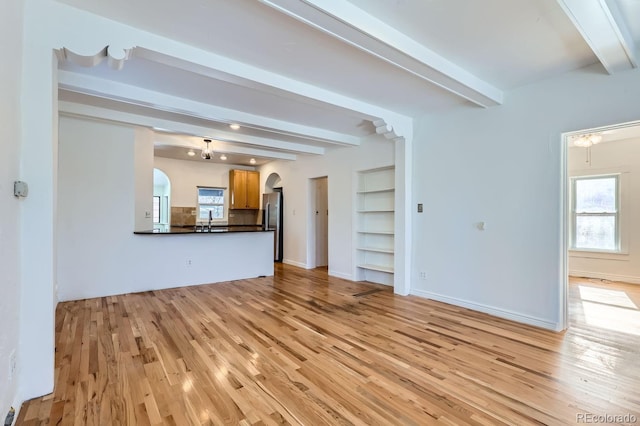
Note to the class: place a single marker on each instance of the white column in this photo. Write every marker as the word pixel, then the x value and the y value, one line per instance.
pixel 39 169
pixel 403 212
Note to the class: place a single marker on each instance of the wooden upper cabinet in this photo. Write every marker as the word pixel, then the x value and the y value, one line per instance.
pixel 245 189
pixel 253 190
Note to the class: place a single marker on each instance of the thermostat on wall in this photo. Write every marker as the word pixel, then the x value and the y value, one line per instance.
pixel 20 189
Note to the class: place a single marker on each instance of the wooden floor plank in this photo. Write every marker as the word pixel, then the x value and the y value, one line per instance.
pixel 305 348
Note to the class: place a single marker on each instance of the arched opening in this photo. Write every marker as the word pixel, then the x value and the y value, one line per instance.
pixel 272 204
pixel 273 181
pixel 161 200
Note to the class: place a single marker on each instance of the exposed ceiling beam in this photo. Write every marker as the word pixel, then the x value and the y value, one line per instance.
pixel 229 148
pixel 222 68
pixel 353 25
pixel 220 147
pixel 109 89
pixel 184 128
pixel 54 16
pixel 603 28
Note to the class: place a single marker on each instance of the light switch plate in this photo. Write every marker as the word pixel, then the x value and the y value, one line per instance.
pixel 20 189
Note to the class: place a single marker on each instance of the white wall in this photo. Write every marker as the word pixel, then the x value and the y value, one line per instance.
pixel 11 15
pixel 502 165
pixel 340 166
pixel 99 255
pixel 621 157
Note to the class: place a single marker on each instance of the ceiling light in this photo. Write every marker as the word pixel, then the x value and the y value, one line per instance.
pixel 223 157
pixel 206 152
pixel 234 126
pixel 588 140
pixel 191 153
pixel 252 161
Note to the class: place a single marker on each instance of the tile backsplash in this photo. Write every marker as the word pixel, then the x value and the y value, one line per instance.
pixel 183 216
pixel 245 217
pixel 186 216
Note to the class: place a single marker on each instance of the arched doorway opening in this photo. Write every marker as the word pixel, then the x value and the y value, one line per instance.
pixel 272 203
pixel 161 200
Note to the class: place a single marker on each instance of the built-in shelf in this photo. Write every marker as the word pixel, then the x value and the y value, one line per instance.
pixel 375 249
pixel 379 268
pixel 374 191
pixel 376 232
pixel 375 203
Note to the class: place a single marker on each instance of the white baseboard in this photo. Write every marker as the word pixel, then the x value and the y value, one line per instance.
pixel 609 277
pixel 295 263
pixel 497 312
pixel 341 275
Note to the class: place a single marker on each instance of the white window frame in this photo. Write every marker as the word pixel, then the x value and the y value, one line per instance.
pixel 224 202
pixel 615 215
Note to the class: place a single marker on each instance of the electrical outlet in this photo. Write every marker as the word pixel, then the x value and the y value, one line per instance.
pixel 13 364
pixel 188 262
pixel 147 214
pixel 423 275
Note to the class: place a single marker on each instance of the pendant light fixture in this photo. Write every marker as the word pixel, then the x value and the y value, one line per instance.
pixel 206 152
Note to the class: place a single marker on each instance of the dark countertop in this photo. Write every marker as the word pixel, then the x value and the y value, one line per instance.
pixel 174 230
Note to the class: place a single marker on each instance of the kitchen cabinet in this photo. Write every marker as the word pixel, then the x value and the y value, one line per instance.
pixel 244 186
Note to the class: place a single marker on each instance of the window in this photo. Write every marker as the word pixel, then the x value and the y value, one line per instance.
pixel 156 209
pixel 595 213
pixel 210 200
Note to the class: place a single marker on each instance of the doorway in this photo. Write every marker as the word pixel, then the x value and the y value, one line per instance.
pixel 320 221
pixel 161 200
pixel 273 213
pixel 279 233
pixel 600 171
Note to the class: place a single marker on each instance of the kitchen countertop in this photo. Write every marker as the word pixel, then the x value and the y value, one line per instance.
pixel 227 229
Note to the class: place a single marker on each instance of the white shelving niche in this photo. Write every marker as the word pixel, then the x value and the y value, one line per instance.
pixel 375 195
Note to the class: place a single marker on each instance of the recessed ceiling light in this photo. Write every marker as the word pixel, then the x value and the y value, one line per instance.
pixel 223 157
pixel 190 153
pixel 234 126
pixel 252 161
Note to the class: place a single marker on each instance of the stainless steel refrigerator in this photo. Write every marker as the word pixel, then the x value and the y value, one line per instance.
pixel 272 205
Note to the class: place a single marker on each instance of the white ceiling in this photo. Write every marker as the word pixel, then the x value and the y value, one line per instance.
pixel 505 42
pixel 413 57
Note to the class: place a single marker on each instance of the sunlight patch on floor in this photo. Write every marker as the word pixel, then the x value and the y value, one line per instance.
pixel 603 295
pixel 602 315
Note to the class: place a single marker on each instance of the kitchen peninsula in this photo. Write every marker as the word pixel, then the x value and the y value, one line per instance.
pixel 190 255
pixel 204 229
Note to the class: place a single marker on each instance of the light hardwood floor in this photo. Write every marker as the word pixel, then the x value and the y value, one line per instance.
pixel 302 348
